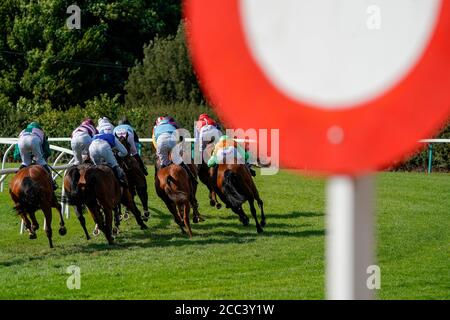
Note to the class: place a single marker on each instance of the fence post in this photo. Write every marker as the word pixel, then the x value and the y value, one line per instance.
pixel 430 157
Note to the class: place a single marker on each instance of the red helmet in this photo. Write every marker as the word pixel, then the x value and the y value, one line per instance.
pixel 88 121
pixel 158 120
pixel 204 119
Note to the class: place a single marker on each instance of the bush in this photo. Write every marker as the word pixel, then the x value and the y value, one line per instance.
pixel 165 76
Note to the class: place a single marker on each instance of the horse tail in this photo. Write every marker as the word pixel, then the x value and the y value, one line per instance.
pixel 73 196
pixel 29 196
pixel 233 195
pixel 172 191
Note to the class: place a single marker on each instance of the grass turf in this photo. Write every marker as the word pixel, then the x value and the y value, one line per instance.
pixel 226 260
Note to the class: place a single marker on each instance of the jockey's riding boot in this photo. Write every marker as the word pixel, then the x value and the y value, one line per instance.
pixel 54 185
pixel 189 172
pixel 252 172
pixel 141 163
pixel 120 175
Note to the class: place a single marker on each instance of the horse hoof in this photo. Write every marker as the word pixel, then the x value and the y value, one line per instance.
pixel 144 218
pixel 33 236
pixel 218 206
pixel 260 230
pixel 195 220
pixel 144 226
pixel 245 222
pixel 62 231
pixel 212 203
pixel 147 214
pixel 263 224
pixel 36 227
pixel 126 216
pixel 96 232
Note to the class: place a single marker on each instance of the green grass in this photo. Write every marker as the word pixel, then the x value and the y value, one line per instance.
pixel 225 260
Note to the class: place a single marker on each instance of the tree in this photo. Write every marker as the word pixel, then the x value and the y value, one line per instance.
pixel 43 60
pixel 165 75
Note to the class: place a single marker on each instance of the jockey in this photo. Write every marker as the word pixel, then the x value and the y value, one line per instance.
pixel 33 143
pixel 124 128
pixel 105 125
pixel 82 138
pixel 101 151
pixel 164 141
pixel 222 150
pixel 206 131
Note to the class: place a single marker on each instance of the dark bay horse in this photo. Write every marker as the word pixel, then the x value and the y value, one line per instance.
pixel 234 185
pixel 137 183
pixel 80 183
pixel 31 190
pixel 173 186
pixel 99 190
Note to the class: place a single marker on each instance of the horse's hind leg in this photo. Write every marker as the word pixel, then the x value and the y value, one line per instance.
pixel 48 225
pixel 253 211
pixel 176 215
pixel 62 229
pixel 28 227
pixel 261 207
pixel 143 196
pixel 34 222
pixel 214 195
pixel 186 218
pixel 129 204
pixel 242 216
pixel 116 220
pixel 194 203
pixel 108 225
pixel 79 214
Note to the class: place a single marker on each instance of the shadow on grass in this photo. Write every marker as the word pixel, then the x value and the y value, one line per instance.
pixel 205 233
pixel 280 216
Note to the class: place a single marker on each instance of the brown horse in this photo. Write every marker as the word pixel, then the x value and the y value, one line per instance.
pixel 81 181
pixel 137 183
pixel 174 187
pixel 234 185
pixel 100 191
pixel 31 190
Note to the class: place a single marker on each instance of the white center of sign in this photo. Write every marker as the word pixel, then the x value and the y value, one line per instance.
pixel 337 54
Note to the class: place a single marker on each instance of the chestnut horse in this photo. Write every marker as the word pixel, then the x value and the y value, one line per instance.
pixel 234 185
pixel 173 186
pixel 31 190
pixel 137 183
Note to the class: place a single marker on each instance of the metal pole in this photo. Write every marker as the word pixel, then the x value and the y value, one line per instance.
pixel 430 157
pixel 349 242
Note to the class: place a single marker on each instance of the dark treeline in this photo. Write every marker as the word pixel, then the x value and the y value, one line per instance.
pixel 129 58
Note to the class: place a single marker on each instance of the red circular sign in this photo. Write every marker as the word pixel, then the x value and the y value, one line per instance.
pixel 353 139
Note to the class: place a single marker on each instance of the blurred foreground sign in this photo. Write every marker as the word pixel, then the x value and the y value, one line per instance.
pixel 352 85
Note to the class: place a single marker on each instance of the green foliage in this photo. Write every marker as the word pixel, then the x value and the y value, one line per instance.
pixel 441 156
pixel 165 75
pixel 42 60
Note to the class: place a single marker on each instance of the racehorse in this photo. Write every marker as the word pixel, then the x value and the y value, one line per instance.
pixel 31 190
pixel 137 184
pixel 99 190
pixel 78 193
pixel 234 185
pixel 173 186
